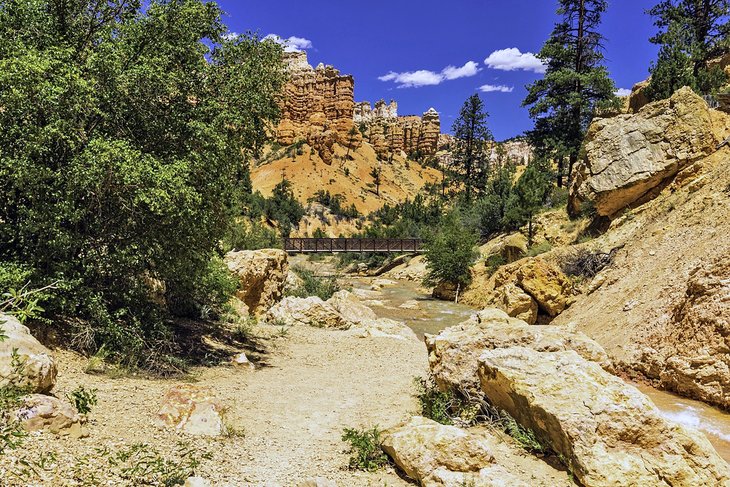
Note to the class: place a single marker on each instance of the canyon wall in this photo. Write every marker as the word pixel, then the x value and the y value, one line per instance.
pixel 319 107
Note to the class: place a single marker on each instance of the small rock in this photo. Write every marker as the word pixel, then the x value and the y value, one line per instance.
pixel 39 368
pixel 410 304
pixel 48 413
pixel 242 361
pixel 193 410
pixel 196 482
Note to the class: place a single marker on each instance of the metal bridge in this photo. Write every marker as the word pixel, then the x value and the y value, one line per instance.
pixel 339 245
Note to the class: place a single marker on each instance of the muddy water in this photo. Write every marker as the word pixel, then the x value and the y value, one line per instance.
pixel 408 302
pixel 714 423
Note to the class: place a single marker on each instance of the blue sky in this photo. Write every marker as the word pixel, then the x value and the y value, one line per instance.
pixel 382 43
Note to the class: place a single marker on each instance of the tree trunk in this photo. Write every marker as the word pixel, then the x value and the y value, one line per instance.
pixel 458 288
pixel 571 163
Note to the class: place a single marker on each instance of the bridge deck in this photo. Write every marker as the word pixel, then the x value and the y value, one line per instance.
pixel 338 245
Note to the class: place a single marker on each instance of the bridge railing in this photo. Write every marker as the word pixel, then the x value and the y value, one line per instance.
pixel 338 245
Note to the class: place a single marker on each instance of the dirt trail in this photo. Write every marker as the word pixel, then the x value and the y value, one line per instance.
pixel 291 411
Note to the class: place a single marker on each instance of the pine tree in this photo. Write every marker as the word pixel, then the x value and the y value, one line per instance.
pixel 529 195
pixel 470 160
pixel 376 175
pixel 575 84
pixel 691 33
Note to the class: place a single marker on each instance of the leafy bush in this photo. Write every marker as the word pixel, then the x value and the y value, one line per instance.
pixel 313 285
pixel 124 131
pixel 335 202
pixel 251 236
pixel 284 207
pixel 365 449
pixel 540 248
pixel 494 262
pixel 11 431
pixel 83 399
pixel 525 437
pixel 445 407
pixel 450 252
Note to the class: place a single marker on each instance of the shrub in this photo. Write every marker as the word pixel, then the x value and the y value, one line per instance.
pixel 525 437
pixel 11 431
pixel 251 235
pixel 494 262
pixel 540 248
pixel 585 263
pixel 450 253
pixel 365 450
pixel 313 285
pixel 445 407
pixel 83 399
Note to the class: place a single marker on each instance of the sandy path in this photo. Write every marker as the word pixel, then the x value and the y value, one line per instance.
pixel 292 412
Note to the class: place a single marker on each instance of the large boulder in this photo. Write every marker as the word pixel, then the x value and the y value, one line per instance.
pixel 628 156
pixel 546 284
pixel 610 433
pixel 350 307
pixel 47 413
pixel 311 311
pixel 262 275
pixel 453 354
pixel 516 303
pixel 24 362
pixel 383 328
pixel 421 446
pixel 193 410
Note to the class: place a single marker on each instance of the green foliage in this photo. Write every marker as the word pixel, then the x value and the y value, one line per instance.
pixel 451 252
pixel 12 433
pixel 444 407
pixel 365 450
pixel 313 285
pixel 335 202
pixel 376 173
pixel 575 85
pixel 251 235
pixel 529 196
pixel 494 262
pixel 284 207
pixel 83 399
pixel 525 437
pixel 690 33
pixel 540 248
pixel 124 135
pixel 470 159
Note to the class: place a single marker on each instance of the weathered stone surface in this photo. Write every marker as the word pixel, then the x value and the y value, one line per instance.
pixel 420 446
pixel 47 413
pixel 388 133
pixel 491 476
pixel 24 361
pixel 540 280
pixel 638 99
pixel 692 356
pixel 384 328
pixel 627 156
pixel 548 286
pixel 317 107
pixel 262 274
pixel 350 308
pixel 610 433
pixel 514 248
pixel 454 353
pixel 311 311
pixel 193 410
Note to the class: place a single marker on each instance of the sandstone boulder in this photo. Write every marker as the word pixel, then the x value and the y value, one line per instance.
pixel 262 274
pixel 311 311
pixel 609 432
pixel 514 248
pixel 628 156
pixel 384 328
pixel 420 446
pixel 24 362
pixel 47 413
pixel 516 303
pixel 546 284
pixel 193 410
pixel 350 307
pixel 454 353
pixel 638 98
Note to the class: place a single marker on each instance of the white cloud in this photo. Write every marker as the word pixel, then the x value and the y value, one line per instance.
pixel 499 88
pixel 425 77
pixel 230 36
pixel 469 69
pixel 623 92
pixel 291 44
pixel 511 59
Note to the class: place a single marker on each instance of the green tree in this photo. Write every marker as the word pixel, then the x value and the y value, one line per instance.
pixel 284 208
pixel 451 252
pixel 124 133
pixel 375 173
pixel 691 33
pixel 575 84
pixel 470 159
pixel 529 196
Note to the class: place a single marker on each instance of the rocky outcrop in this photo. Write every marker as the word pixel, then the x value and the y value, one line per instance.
pixel 524 289
pixel 453 354
pixel 638 98
pixel 262 275
pixel 311 311
pixel 609 433
pixel 628 156
pixel 47 413
pixel 692 357
pixel 24 362
pixel 389 133
pixel 193 410
pixel 317 107
pixel 421 446
pixel 514 248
